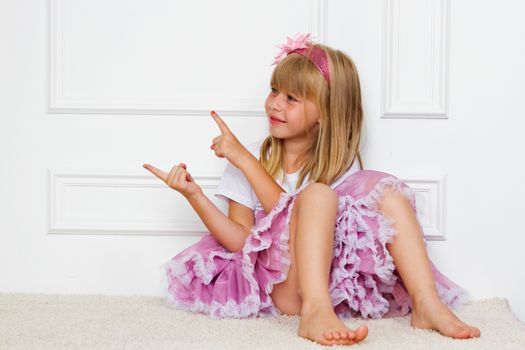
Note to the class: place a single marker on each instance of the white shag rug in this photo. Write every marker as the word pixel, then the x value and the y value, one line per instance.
pixel 39 321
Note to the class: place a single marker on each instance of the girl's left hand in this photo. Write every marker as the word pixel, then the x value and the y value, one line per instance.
pixel 178 178
pixel 226 144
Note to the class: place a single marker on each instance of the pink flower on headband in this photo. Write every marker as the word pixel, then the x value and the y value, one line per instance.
pixel 300 44
pixel 300 41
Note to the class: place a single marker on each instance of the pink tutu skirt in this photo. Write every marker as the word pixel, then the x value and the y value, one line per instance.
pixel 206 278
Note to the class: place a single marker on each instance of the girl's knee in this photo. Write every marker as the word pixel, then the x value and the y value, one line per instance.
pixel 315 196
pixel 318 191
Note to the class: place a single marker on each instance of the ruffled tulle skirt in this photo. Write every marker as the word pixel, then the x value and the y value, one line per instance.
pixel 206 278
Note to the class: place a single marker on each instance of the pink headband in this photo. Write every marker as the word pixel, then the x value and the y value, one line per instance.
pixel 303 45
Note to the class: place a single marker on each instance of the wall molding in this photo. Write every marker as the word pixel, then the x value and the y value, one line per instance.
pixel 59 102
pixel 395 103
pixel 430 194
pixel 129 204
pixel 316 19
pixel 122 204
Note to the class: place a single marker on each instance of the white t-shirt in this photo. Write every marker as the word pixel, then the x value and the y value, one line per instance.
pixel 234 185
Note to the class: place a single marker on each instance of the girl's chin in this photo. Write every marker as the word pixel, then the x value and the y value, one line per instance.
pixel 276 134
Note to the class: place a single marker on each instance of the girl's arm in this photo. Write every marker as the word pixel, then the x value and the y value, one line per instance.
pixel 227 145
pixel 266 188
pixel 230 234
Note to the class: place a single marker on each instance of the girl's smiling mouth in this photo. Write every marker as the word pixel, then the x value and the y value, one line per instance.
pixel 274 120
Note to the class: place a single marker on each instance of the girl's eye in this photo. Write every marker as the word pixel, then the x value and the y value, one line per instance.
pixel 291 98
pixel 273 90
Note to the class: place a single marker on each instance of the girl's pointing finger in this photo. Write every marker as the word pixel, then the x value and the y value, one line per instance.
pixel 157 172
pixel 222 125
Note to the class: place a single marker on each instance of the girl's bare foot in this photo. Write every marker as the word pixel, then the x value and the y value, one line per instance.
pixel 321 324
pixel 431 313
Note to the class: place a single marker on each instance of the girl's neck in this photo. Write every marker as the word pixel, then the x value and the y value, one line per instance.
pixel 291 170
pixel 292 153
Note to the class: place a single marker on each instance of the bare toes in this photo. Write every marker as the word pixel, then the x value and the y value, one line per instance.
pixel 361 333
pixel 344 335
pixel 464 333
pixel 475 332
pixel 336 335
pixel 471 331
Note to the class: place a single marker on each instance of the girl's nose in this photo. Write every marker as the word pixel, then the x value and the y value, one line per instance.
pixel 274 107
pixel 276 102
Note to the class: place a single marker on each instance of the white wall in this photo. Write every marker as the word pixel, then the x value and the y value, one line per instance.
pixel 89 91
pixel 477 148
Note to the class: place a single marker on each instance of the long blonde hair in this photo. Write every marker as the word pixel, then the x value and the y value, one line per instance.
pixel 341 117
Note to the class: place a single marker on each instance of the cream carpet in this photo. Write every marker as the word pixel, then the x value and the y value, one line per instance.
pixel 36 321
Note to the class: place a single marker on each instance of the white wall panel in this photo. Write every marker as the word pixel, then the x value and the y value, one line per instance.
pixel 415 66
pixel 131 204
pixel 168 57
pixel 122 204
pixel 431 205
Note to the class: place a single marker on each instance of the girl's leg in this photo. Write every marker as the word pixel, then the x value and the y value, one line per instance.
pixel 412 263
pixel 314 234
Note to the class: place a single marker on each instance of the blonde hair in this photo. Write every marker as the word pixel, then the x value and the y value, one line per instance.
pixel 336 146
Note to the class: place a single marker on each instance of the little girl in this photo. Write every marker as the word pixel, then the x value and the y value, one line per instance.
pixel 308 231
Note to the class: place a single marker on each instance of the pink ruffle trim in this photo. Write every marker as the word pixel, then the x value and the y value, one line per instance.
pixel 354 289
pixel 258 302
pixel 378 293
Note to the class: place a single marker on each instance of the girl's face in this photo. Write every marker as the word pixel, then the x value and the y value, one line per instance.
pixel 290 116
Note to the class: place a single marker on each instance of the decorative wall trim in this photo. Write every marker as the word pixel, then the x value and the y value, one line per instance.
pixel 59 102
pixel 131 204
pixel 430 203
pixel 122 204
pixel 395 102
pixel 316 19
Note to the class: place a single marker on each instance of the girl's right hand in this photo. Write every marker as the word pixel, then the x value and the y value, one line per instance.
pixel 178 179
